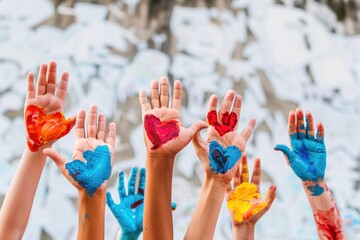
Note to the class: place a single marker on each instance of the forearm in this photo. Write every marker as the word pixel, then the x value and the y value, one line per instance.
pixel 243 232
pixel 157 207
pixel 203 223
pixel 16 208
pixel 326 214
pixel 91 215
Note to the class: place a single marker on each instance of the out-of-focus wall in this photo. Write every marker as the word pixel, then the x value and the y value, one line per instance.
pixel 278 55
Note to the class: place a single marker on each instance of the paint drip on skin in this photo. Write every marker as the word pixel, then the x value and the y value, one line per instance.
pixel 160 132
pixel 229 122
pixel 329 223
pixel 94 172
pixel 315 190
pixel 222 159
pixel 245 201
pixel 173 206
pixel 43 128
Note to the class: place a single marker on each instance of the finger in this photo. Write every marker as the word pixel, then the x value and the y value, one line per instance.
pixel 41 82
pixel 226 106
pixel 212 103
pixel 30 94
pixel 101 134
pixel 51 78
pixel 270 196
pixel 57 158
pixel 309 126
pixel 132 181
pixel 63 86
pixel 320 132
pixel 141 188
pixel 80 124
pixel 244 169
pixel 121 186
pixel 285 150
pixel 110 201
pixel 145 105
pixel 237 108
pixel 237 176
pixel 92 126
pixel 246 133
pixel 199 142
pixel 154 94
pixel 300 126
pixel 255 179
pixel 291 124
pixel 196 127
pixel 164 92
pixel 111 134
pixel 176 102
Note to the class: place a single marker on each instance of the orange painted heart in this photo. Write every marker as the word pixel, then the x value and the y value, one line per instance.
pixel 44 128
pixel 229 122
pixel 160 132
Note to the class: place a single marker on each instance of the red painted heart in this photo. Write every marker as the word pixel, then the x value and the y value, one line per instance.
pixel 44 128
pixel 229 122
pixel 160 132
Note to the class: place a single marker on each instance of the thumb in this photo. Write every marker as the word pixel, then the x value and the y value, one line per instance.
pixel 109 200
pixel 57 158
pixel 196 127
pixel 73 121
pixel 270 196
pixel 285 150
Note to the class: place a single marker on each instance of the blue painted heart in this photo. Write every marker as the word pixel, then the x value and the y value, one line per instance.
pixel 222 159
pixel 92 173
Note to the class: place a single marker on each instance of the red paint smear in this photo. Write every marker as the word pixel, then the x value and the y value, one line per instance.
pixel 229 122
pixel 329 223
pixel 137 203
pixel 160 132
pixel 141 191
pixel 43 128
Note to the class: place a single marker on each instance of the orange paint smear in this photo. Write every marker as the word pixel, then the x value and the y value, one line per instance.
pixel 43 128
pixel 245 201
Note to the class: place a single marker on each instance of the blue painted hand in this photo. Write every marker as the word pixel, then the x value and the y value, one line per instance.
pixel 308 155
pixel 129 212
pixel 222 159
pixel 94 172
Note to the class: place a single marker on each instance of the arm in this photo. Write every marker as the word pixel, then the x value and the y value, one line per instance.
pixel 308 161
pixel 89 170
pixel 16 208
pixel 220 157
pixel 245 203
pixel 164 137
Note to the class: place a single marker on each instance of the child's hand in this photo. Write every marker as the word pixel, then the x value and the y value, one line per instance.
pixel 164 132
pixel 129 212
pixel 244 201
pixel 308 155
pixel 44 108
pixel 221 153
pixel 93 155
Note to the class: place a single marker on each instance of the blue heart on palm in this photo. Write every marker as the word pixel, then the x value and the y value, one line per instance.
pixel 222 159
pixel 92 173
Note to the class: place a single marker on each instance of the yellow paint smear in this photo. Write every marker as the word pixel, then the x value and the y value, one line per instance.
pixel 245 201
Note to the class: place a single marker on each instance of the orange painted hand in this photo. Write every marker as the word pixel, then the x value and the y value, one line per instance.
pixel 44 119
pixel 244 202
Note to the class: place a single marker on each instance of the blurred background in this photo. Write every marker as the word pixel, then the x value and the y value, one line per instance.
pixel 278 54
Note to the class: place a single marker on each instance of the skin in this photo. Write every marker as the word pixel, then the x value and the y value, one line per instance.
pixel 91 209
pixel 323 200
pixel 245 230
pixel 18 201
pixel 214 186
pixel 160 162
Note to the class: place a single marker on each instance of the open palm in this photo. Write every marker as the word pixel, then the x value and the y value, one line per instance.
pixel 165 119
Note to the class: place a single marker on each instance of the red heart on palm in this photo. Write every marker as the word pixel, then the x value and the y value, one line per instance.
pixel 160 132
pixel 229 122
pixel 43 128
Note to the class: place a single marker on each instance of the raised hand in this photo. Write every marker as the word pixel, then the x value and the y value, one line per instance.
pixel 164 132
pixel 244 201
pixel 129 212
pixel 44 119
pixel 308 155
pixel 93 155
pixel 221 153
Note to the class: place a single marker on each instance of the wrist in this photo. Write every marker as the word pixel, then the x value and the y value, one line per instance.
pixel 159 161
pixel 244 231
pixel 215 183
pixel 130 235
pixel 314 188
